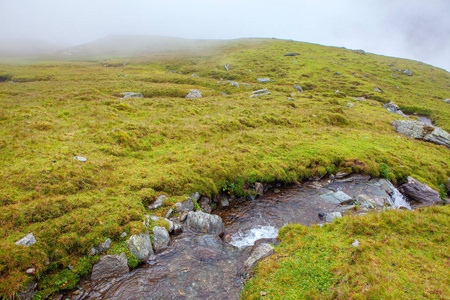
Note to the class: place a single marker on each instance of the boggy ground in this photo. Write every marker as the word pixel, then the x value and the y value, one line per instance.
pixel 139 148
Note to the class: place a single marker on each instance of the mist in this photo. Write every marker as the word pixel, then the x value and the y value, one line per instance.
pixel 411 29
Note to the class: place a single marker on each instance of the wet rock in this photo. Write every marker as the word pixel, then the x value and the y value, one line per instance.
pixel 206 223
pixel 140 245
pixel 128 95
pixel 292 54
pixel 258 253
pixel 420 192
pixel 365 202
pixel 339 197
pixel 298 88
pixel 271 241
pixel 356 243
pixel 408 72
pixel 27 293
pixel 329 217
pixel 100 248
pixel 259 188
pixel 161 238
pixel 260 91
pixel 186 205
pixel 194 94
pixel 158 202
pixel 195 196
pixel 340 175
pixel 421 131
pixel 263 80
pixel 28 240
pixel 110 266
pixel 223 201
pixel 205 204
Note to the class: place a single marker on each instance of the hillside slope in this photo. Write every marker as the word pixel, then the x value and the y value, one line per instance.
pixel 139 148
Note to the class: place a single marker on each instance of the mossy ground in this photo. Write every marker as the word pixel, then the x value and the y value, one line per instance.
pixel 137 149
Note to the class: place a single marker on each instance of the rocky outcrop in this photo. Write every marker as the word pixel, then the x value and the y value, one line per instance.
pixel 420 192
pixel 258 253
pixel 422 131
pixel 128 95
pixel 100 248
pixel 140 245
pixel 110 266
pixel 205 223
pixel 158 202
pixel 186 205
pixel 28 240
pixel 161 238
pixel 194 94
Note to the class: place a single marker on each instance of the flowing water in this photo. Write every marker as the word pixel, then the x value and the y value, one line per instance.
pixel 200 266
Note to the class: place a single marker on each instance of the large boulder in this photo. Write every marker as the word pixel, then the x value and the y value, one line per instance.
pixel 205 223
pixel 186 205
pixel 161 238
pixel 110 266
pixel 420 192
pixel 158 202
pixel 140 245
pixel 28 240
pixel 422 131
pixel 258 253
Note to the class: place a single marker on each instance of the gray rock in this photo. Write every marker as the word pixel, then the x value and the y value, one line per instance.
pixel 234 84
pixel 30 271
pixel 158 202
pixel 140 245
pixel 246 84
pixel 186 205
pixel 420 192
pixel 205 204
pixel 195 196
pixel 161 238
pixel 259 188
pixel 169 213
pixel 292 54
pixel 195 75
pixel 154 218
pixel 263 80
pixel 80 158
pixel 447 100
pixel 356 243
pixel 378 90
pixel 175 227
pixel 263 94
pixel 27 293
pixel 100 248
pixel 227 66
pixel 127 95
pixel 339 197
pixel 422 131
pixel 392 107
pixel 408 72
pixel 329 217
pixel 298 88
pixel 223 201
pixel 340 175
pixel 258 253
pixel 124 234
pixel 110 266
pixel 28 240
pixel 194 94
pixel 365 202
pixel 260 91
pixel 205 223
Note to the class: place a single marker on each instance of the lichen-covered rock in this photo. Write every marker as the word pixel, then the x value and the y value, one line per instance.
pixel 110 266
pixel 140 245
pixel 258 253
pixel 205 223
pixel 161 238
pixel 422 131
pixel 28 240
pixel 158 202
pixel 420 192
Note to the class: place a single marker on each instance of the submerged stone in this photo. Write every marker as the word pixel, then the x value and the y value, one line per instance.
pixel 110 266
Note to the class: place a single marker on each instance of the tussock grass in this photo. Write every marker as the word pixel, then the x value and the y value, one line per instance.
pixel 402 255
pixel 139 148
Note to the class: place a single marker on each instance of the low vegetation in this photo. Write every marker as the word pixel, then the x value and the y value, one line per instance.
pixel 139 148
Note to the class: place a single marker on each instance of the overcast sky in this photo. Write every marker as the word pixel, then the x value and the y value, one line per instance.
pixel 416 29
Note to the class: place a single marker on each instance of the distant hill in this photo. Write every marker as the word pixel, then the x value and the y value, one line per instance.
pixel 136 45
pixel 26 48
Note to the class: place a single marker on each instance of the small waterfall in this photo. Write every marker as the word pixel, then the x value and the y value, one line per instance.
pixel 249 237
pixel 397 200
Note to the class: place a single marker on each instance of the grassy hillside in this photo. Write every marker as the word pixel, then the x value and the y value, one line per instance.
pixel 137 149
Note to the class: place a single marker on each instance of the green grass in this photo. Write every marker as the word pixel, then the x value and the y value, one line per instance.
pixel 138 149
pixel 402 255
